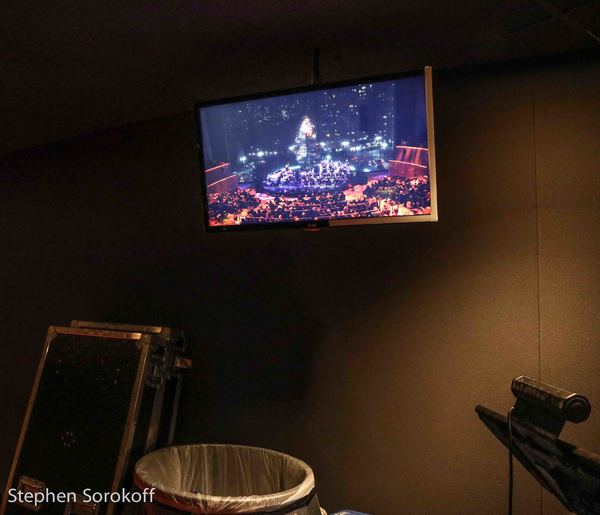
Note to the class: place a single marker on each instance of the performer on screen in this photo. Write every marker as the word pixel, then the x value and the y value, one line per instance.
pixel 305 133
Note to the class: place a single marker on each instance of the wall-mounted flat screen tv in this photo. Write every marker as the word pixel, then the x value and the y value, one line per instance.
pixel 358 152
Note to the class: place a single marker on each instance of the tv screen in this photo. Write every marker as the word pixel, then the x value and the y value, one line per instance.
pixel 352 153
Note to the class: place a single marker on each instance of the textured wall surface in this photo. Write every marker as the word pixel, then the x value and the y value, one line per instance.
pixel 362 350
pixel 568 150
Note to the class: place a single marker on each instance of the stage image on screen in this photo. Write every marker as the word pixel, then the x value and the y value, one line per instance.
pixel 351 152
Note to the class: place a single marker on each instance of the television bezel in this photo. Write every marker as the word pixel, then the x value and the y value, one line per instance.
pixel 317 224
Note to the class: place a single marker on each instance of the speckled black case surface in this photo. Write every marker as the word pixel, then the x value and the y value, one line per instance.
pixel 79 415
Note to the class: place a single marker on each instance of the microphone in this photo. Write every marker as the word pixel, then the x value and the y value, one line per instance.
pixel 565 405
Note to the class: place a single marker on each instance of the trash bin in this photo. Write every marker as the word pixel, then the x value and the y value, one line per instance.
pixel 227 479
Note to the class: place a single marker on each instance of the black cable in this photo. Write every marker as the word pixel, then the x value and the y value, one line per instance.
pixel 510 464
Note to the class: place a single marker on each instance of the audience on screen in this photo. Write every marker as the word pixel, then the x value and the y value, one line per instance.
pixel 220 205
pixel 389 196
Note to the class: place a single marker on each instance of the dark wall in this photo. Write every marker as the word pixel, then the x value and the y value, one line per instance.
pixel 362 350
pixel 568 150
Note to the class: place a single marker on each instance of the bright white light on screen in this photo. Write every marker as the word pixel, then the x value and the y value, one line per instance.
pixel 243 159
pixel 260 153
pixel 345 143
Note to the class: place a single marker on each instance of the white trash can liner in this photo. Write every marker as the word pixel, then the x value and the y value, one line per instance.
pixel 226 478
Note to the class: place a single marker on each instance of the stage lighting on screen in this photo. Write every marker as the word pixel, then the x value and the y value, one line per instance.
pixel 353 153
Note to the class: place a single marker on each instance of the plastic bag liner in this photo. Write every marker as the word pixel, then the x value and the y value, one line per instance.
pixel 227 479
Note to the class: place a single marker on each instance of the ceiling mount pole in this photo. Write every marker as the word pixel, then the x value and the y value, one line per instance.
pixel 316 74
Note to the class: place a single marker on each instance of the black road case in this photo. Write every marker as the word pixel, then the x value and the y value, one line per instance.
pixel 104 395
